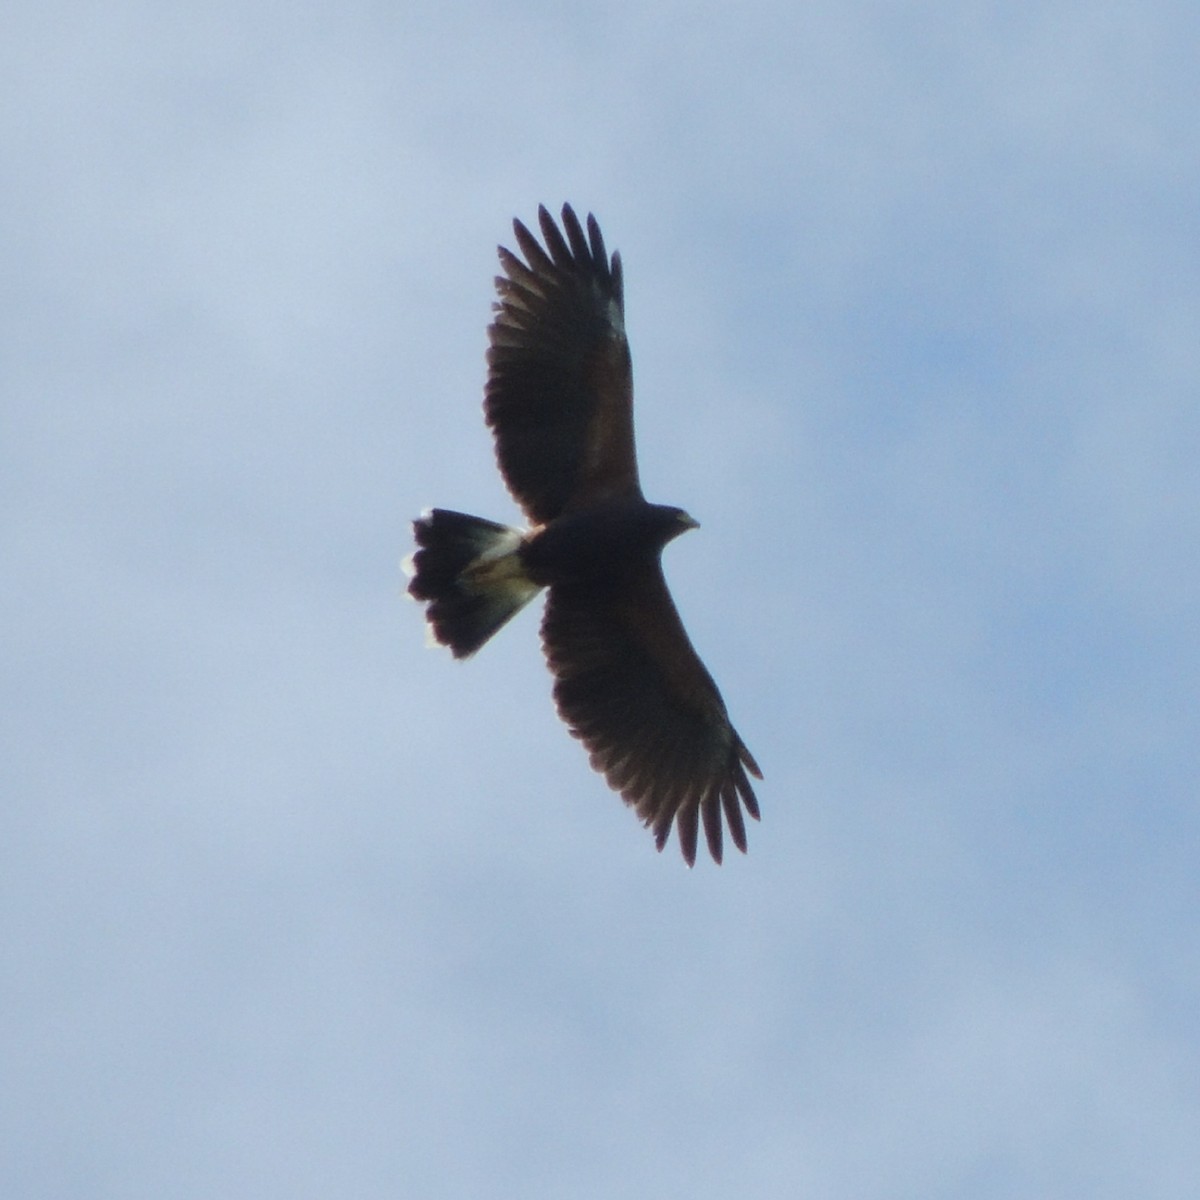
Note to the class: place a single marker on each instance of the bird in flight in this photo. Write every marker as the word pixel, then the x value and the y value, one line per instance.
pixel 627 682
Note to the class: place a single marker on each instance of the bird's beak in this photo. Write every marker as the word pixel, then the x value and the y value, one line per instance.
pixel 688 521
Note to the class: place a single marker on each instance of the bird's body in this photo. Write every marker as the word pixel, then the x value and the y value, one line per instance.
pixel 602 546
pixel 559 401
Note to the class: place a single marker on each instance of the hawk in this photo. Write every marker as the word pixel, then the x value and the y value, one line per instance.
pixel 627 682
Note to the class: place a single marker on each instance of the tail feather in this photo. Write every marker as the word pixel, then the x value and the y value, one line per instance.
pixel 468 573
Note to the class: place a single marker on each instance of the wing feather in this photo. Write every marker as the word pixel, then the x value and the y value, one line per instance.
pixel 630 686
pixel 559 396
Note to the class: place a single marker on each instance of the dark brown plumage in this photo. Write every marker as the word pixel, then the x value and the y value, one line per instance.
pixel 559 402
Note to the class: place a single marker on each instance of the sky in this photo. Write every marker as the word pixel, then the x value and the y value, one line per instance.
pixel 292 905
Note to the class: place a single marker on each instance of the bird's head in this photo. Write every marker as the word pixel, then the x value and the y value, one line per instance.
pixel 672 521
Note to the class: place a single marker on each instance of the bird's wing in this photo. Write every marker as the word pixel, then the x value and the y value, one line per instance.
pixel 633 690
pixel 559 395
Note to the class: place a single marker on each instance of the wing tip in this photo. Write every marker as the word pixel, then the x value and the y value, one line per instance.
pixel 561 251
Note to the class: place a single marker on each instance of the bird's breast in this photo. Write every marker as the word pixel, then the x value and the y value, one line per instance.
pixel 595 546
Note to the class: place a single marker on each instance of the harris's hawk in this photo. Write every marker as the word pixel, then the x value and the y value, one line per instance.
pixel 629 685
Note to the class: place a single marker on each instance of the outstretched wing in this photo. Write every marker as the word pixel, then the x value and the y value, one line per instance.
pixel 632 689
pixel 559 395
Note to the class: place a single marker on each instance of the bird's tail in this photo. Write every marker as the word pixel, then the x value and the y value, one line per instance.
pixel 469 573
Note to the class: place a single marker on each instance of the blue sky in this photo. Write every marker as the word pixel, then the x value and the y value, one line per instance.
pixel 293 906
